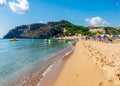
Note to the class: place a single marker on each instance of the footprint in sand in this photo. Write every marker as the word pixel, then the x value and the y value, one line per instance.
pixel 101 84
pixel 77 75
pixel 110 81
pixel 105 83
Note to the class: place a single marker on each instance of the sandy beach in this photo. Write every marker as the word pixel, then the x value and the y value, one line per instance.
pixel 91 64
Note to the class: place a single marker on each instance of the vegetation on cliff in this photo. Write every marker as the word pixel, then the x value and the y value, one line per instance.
pixel 111 30
pixel 51 29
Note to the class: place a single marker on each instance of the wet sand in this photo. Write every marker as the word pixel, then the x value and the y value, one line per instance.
pixel 91 64
pixel 51 76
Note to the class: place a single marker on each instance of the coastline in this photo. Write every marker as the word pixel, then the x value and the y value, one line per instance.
pixel 54 70
pixel 35 75
pixel 89 63
pixel 52 74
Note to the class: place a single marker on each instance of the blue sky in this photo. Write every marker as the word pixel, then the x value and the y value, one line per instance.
pixel 81 12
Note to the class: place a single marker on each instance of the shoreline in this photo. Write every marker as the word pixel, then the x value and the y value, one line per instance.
pixel 54 70
pixel 51 76
pixel 85 65
pixel 36 74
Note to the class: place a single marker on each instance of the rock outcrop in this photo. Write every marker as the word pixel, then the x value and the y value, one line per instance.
pixel 37 30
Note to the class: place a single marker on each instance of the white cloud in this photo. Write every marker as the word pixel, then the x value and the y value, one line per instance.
pixel 2 2
pixel 97 21
pixel 20 7
pixel 41 21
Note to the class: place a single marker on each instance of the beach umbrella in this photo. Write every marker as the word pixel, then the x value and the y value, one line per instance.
pixel 104 35
pixel 118 35
pixel 94 36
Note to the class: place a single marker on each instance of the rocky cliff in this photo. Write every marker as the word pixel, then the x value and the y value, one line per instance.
pixel 37 30
pixel 48 30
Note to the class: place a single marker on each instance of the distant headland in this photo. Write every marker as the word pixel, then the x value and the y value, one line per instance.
pixel 56 29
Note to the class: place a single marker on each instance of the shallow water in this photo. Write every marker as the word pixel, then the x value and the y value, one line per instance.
pixel 19 56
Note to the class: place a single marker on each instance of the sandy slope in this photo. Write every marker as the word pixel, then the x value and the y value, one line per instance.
pixel 86 64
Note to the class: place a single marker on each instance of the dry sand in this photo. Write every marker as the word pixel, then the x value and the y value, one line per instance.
pixel 91 64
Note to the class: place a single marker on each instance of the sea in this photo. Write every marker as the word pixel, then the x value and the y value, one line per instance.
pixel 21 60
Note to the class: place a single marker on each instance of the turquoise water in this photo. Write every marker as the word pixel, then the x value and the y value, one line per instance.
pixel 23 54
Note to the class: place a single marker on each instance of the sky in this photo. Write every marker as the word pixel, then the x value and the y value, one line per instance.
pixel 81 12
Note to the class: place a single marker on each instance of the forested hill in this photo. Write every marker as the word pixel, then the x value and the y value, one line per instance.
pixel 41 30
